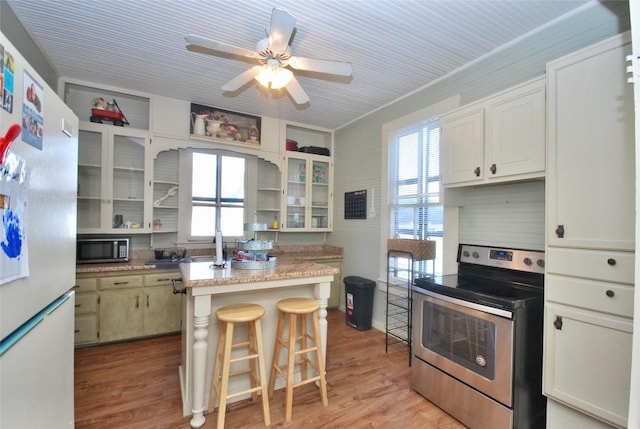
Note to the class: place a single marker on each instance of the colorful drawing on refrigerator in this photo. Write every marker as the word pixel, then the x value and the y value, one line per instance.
pixel 14 262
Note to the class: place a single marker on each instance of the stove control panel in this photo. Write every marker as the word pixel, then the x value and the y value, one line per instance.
pixel 513 259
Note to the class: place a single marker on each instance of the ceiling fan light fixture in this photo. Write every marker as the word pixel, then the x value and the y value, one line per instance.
pixel 274 78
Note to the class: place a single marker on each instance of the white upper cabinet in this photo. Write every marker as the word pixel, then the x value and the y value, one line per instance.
pixel 307 192
pixel 499 139
pixel 591 174
pixel 462 146
pixel 516 132
pixel 114 180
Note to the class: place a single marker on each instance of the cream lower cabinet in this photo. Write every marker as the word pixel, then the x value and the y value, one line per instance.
pixel 161 307
pixel 86 311
pixel 120 315
pixel 127 306
pixel 588 361
pixel 121 300
pixel 590 206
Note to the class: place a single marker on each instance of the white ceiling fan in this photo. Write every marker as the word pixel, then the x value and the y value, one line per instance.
pixel 274 56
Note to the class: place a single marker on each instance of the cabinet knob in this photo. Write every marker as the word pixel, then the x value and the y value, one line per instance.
pixel 611 261
pixel 477 171
pixel 558 323
pixel 493 169
pixel 610 293
pixel 560 231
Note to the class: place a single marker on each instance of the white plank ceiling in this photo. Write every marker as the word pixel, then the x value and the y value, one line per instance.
pixel 395 46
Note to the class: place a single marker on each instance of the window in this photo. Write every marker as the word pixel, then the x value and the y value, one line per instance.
pixel 217 195
pixel 414 181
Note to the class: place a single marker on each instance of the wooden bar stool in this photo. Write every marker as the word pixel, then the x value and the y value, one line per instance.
pixel 294 307
pixel 228 316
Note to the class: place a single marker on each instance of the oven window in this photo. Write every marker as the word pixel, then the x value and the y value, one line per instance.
pixel 461 338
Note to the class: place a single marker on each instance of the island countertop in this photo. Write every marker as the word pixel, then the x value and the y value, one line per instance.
pixel 208 288
pixel 197 274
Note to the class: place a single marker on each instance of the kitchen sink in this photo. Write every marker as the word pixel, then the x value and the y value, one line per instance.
pixel 167 263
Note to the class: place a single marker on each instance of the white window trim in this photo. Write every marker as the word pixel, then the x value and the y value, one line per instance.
pixel 388 129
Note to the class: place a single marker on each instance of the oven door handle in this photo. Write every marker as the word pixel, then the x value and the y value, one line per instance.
pixel 468 304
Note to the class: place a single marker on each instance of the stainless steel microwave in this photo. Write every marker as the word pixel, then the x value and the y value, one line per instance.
pixel 102 250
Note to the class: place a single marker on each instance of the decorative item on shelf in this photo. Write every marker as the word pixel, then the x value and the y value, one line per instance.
pixel 291 145
pixel 315 150
pixel 217 124
pixel 107 110
pixel 319 173
pixel 275 224
pixel 301 173
pixel 419 249
pixel 157 225
pixel 170 193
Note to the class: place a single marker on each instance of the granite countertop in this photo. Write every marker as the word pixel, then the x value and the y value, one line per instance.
pixel 291 256
pixel 196 274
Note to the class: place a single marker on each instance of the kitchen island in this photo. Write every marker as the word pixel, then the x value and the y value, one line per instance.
pixel 209 287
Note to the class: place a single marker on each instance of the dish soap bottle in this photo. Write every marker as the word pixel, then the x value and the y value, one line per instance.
pixel 275 224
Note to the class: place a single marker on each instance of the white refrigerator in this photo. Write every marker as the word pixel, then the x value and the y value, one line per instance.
pixel 36 286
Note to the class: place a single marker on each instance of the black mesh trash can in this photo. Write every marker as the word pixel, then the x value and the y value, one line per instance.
pixel 359 301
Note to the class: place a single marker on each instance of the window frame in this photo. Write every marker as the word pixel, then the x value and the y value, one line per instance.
pixel 184 216
pixel 421 201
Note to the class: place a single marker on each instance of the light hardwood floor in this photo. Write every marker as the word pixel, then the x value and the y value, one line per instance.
pixel 135 385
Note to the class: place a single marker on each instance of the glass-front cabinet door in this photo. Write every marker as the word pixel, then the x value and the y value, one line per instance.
pixel 91 186
pixel 296 193
pixel 319 194
pixel 308 194
pixel 113 180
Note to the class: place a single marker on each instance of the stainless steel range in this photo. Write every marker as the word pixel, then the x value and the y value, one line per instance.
pixel 477 338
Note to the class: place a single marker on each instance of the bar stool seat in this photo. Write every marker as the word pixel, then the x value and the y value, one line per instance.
pixel 228 316
pixel 294 308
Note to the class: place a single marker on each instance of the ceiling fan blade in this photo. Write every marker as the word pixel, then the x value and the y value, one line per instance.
pixel 321 66
pixel 242 79
pixel 282 24
pixel 296 91
pixel 219 46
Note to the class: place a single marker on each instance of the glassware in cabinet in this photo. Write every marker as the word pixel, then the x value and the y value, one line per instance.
pixel 296 193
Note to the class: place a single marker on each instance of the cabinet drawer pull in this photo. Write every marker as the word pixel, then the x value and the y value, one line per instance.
pixel 611 261
pixel 76 331
pixel 120 283
pixel 78 305
pixel 558 323
pixel 163 280
pixel 560 231
pixel 477 171
pixel 493 169
pixel 76 287
pixel 137 301
pixel 147 300
pixel 610 293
